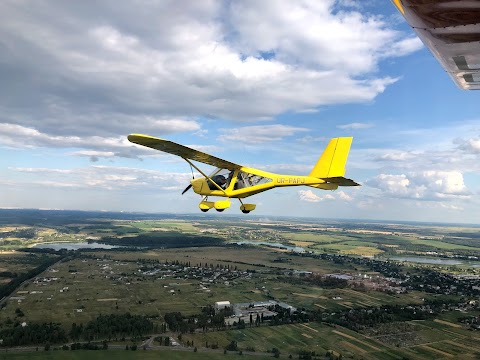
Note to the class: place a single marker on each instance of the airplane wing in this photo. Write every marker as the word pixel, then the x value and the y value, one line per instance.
pixel 451 30
pixel 180 150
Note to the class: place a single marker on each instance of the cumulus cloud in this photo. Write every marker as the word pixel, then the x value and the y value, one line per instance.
pixel 104 177
pixel 342 195
pixel 422 185
pixel 74 69
pixel 355 126
pixel 104 146
pixel 396 155
pixel 101 147
pixel 260 133
pixel 471 146
pixel 310 196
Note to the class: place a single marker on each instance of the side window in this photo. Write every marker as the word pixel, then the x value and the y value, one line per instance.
pixel 247 180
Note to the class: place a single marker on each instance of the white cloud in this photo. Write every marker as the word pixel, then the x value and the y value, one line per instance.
pixel 94 155
pixel 101 147
pixel 110 69
pixel 104 177
pixel 355 126
pixel 397 155
pixel 259 134
pixel 342 195
pixel 422 185
pixel 471 146
pixel 310 196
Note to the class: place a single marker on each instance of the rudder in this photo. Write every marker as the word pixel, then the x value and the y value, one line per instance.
pixel 333 159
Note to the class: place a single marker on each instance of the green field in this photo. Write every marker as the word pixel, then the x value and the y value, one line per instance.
pixel 124 355
pixel 94 283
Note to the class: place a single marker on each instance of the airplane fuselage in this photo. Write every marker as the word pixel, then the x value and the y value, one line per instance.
pixel 203 187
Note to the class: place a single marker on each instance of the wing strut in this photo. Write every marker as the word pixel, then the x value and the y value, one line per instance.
pixel 208 177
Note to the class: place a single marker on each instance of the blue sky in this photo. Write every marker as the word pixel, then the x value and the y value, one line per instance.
pixel 262 84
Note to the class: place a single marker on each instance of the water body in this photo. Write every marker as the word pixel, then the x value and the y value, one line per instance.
pixel 74 246
pixel 275 245
pixel 424 260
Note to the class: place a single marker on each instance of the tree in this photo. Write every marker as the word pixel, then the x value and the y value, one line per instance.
pixel 232 346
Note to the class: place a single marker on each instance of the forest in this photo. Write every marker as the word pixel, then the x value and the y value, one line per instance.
pixel 103 327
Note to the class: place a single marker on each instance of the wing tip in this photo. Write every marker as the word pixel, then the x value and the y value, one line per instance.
pixel 137 138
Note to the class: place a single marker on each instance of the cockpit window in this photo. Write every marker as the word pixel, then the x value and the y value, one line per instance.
pixel 246 180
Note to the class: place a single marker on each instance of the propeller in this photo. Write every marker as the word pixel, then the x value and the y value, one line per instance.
pixel 186 189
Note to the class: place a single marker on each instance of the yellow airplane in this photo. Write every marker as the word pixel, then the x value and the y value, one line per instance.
pixel 231 180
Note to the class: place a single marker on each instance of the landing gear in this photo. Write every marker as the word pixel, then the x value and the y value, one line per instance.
pixel 205 205
pixel 220 205
pixel 246 208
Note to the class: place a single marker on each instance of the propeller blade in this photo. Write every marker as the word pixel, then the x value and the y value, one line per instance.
pixel 186 189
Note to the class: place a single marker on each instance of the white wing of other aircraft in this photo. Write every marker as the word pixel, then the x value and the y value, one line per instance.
pixel 451 30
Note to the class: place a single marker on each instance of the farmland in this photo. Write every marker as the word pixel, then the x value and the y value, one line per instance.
pixel 339 273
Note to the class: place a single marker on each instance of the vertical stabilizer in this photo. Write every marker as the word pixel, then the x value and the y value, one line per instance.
pixel 332 161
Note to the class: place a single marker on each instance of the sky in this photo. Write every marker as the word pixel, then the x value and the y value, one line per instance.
pixel 263 84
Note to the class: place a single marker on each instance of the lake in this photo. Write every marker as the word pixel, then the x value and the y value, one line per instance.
pixel 272 244
pixel 74 246
pixel 425 260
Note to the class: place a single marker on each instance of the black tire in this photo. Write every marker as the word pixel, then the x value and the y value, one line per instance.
pixel 220 210
pixel 245 211
pixel 204 210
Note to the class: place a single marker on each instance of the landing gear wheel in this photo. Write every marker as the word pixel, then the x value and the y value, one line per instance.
pixel 220 210
pixel 245 211
pixel 204 210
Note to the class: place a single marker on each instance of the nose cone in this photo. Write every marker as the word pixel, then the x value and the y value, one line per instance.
pixel 197 185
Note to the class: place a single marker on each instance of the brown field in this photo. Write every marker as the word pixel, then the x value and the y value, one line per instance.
pixel 352 347
pixel 447 323
pixel 443 353
pixel 357 340
pixel 308 327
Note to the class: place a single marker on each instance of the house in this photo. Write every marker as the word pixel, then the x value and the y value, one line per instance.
pixel 220 305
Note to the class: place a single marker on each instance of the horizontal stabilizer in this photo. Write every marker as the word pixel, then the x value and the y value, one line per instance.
pixel 341 181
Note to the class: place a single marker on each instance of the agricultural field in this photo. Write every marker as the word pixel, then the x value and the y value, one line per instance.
pixel 350 238
pixel 79 289
pixel 162 278
pixel 127 355
pixel 433 341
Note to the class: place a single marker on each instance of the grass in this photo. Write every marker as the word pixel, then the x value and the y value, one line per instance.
pixel 123 355
pixel 92 290
pixel 98 286
pixel 290 339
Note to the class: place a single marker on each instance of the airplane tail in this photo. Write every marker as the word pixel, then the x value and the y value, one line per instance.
pixel 331 164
